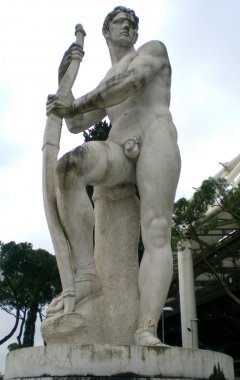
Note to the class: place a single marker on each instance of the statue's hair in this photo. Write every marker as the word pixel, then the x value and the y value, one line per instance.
pixel 115 11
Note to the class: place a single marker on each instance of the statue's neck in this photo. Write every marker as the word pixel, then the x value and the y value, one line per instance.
pixel 117 53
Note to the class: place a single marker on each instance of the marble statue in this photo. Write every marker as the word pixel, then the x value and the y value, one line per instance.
pixel 104 323
pixel 141 150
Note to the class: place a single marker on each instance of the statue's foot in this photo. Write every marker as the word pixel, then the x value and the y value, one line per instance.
pixel 146 334
pixel 64 302
pixel 55 306
pixel 147 338
pixel 87 282
pixel 85 286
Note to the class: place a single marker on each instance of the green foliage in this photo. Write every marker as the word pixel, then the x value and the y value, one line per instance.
pixel 99 132
pixel 188 214
pixel 26 273
pixel 29 280
pixel 230 200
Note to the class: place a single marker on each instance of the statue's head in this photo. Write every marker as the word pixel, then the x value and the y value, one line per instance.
pixel 115 11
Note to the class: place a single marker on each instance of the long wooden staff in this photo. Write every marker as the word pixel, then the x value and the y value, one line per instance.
pixel 51 141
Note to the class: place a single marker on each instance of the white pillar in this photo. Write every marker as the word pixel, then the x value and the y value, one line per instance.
pixel 187 297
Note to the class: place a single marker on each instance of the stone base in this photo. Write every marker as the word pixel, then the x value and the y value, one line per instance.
pixel 128 362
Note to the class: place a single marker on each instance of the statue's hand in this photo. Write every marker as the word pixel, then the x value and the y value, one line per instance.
pixel 60 106
pixel 74 52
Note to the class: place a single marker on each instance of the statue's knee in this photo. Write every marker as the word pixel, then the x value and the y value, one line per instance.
pixel 69 166
pixel 63 166
pixel 158 232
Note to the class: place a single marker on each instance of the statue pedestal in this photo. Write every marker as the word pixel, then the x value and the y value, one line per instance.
pixel 105 361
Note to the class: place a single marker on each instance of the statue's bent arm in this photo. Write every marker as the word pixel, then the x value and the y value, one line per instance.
pixel 84 121
pixel 150 59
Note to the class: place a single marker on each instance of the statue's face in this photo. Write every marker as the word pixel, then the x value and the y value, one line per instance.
pixel 122 30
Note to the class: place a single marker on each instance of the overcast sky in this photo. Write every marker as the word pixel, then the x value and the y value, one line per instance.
pixel 203 42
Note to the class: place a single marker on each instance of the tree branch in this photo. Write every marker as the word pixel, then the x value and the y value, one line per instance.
pixel 21 328
pixel 219 278
pixel 13 329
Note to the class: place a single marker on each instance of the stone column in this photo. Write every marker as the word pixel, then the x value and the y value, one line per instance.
pixel 187 297
pixel 117 227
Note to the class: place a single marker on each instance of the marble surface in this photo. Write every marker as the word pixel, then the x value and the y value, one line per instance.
pixel 110 360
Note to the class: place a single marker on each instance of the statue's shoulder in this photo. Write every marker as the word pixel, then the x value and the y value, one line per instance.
pixel 153 47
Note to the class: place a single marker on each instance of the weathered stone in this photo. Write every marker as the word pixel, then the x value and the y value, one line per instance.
pixel 111 315
pixel 141 150
pixel 77 361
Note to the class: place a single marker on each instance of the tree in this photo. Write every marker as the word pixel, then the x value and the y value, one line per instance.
pixel 29 280
pixel 190 221
pixel 99 132
pixel 189 215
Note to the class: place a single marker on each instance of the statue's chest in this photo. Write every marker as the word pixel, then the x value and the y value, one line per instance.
pixel 121 67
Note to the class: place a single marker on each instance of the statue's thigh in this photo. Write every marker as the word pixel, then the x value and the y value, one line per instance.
pixel 158 171
pixel 104 163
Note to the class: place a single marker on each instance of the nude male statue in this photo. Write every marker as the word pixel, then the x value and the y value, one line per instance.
pixel 141 149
